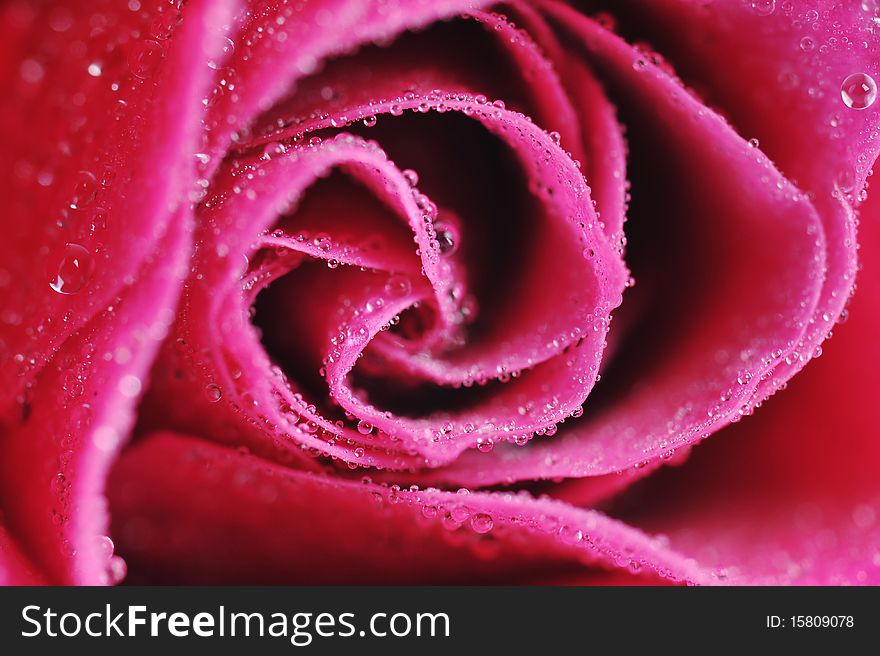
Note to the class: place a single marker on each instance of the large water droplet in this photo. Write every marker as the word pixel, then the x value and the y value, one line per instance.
pixel 481 523
pixel 398 286
pixel 85 190
pixel 145 58
pixel 117 569
pixel 447 238
pixel 105 546
pixel 859 91
pixel 763 7
pixel 72 272
pixel 213 393
pixel 164 24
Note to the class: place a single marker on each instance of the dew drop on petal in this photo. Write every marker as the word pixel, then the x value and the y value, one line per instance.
pixel 485 444
pixel 481 523
pixel 364 427
pixel 763 7
pixel 411 177
pixel 858 91
pixel 85 190
pixel 570 534
pixel 145 58
pixel 213 393
pixel 118 569
pixel 447 238
pixel 164 24
pixel 72 271
pixel 398 286
pixel 105 546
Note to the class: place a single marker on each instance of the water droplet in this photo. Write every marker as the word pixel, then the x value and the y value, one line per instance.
pixel 858 91
pixel 763 7
pixel 485 444
pixel 570 534
pixel 105 546
pixel 398 286
pixel 447 238
pixel 370 121
pixel 59 484
pixel 481 523
pixel 118 569
pixel 411 177
pixel 754 143
pixel 73 270
pixel 145 58
pixel 164 24
pixel 807 44
pixel 85 190
pixel 272 149
pixel 213 393
pixel 364 427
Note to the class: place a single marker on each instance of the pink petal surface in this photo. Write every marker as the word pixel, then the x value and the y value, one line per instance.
pixel 784 88
pixel 14 566
pixel 269 64
pixel 790 496
pixel 77 407
pixel 76 165
pixel 769 501
pixel 248 520
pixel 55 458
pixel 603 143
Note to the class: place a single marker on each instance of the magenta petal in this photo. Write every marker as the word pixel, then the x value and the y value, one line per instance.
pixel 602 147
pixel 187 510
pixel 56 456
pixel 14 566
pixel 89 205
pixel 790 496
pixel 800 55
pixel 76 396
pixel 266 68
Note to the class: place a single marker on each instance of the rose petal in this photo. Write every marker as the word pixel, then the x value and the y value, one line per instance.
pixel 742 286
pixel 784 88
pixel 56 456
pixel 88 206
pixel 791 496
pixel 188 510
pixel 269 64
pixel 14 566
pixel 77 401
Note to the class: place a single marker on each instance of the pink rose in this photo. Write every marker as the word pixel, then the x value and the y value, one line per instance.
pixel 322 292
